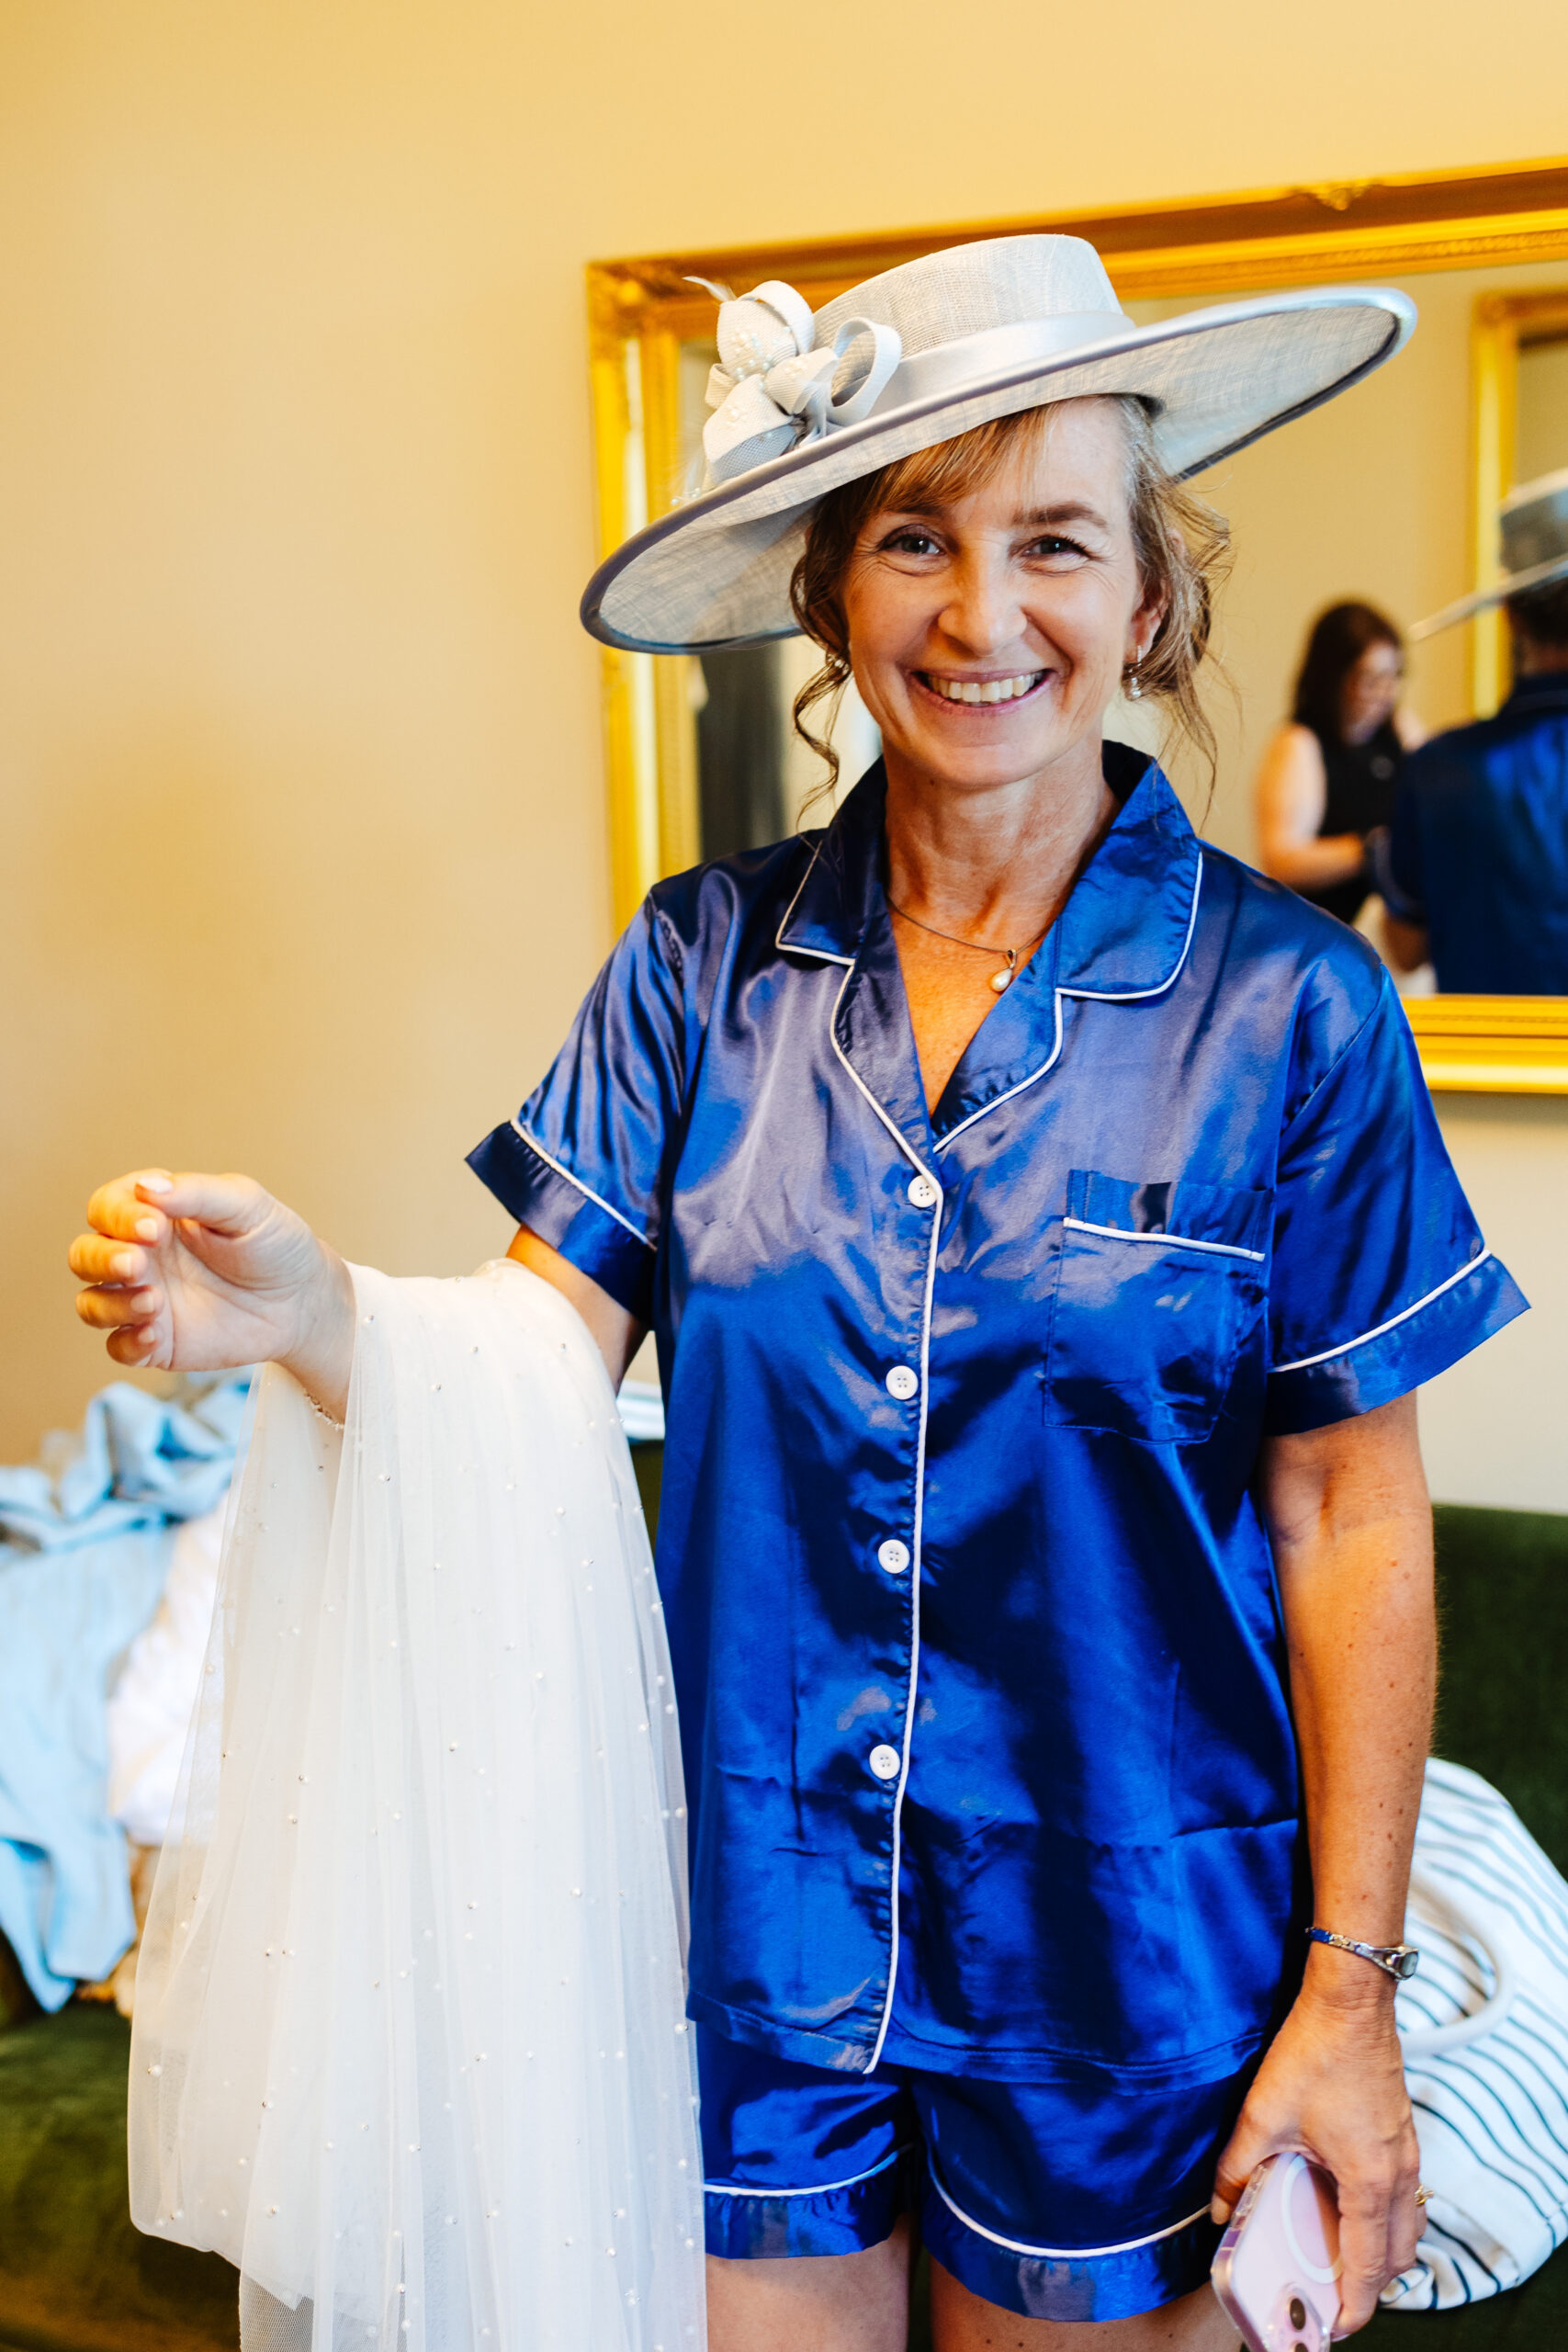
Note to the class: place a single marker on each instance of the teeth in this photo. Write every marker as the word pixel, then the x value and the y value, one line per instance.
pixel 984 689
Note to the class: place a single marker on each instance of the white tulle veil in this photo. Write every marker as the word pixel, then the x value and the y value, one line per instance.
pixel 410 2046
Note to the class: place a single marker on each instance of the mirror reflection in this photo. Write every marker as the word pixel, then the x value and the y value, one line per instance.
pixel 1474 868
pixel 1343 769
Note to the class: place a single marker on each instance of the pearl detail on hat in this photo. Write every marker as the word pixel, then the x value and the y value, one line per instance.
pixel 772 389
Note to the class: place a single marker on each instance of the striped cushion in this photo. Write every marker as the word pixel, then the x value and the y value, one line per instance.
pixel 1485 2032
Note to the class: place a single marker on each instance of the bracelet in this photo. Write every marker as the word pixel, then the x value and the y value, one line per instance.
pixel 1398 1960
pixel 321 1411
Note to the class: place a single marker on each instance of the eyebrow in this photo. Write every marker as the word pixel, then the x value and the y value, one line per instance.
pixel 1048 518
pixel 1071 510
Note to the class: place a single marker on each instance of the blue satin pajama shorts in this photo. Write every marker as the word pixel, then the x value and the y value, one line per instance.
pixel 1074 2200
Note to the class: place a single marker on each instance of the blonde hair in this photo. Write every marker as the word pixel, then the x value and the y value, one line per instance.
pixel 1181 547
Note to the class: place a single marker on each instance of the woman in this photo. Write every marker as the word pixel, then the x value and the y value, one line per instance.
pixel 1045 1227
pixel 1328 779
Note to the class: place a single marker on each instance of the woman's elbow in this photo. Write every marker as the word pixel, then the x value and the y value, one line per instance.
pixel 1282 861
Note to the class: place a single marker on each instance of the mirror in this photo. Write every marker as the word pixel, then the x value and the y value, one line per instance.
pixel 1387 496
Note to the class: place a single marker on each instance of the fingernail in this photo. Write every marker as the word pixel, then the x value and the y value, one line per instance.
pixel 155 1185
pixel 146 1229
pixel 124 1265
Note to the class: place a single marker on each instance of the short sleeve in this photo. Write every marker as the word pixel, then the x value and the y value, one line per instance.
pixel 1380 1278
pixel 583 1162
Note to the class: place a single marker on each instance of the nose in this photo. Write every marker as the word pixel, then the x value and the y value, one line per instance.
pixel 983 615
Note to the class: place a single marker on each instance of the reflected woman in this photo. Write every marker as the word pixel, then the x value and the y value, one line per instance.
pixel 1329 779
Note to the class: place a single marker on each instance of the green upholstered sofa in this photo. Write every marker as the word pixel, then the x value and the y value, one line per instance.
pixel 75 2275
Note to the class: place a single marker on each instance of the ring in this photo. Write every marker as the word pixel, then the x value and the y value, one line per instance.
pixel 1423 2194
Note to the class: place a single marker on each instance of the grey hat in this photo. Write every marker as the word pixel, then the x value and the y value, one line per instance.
pixel 803 404
pixel 1533 525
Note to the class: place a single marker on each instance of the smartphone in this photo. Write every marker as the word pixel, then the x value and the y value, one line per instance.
pixel 1277 2270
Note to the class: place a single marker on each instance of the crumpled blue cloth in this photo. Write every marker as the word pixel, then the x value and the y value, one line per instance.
pixel 84 1543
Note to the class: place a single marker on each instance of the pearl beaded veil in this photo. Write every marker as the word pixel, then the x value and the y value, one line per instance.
pixel 410 2046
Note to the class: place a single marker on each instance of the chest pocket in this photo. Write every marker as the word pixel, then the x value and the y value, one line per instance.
pixel 1157 1287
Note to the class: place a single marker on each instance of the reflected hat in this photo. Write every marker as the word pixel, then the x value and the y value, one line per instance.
pixel 1533 526
pixel 803 403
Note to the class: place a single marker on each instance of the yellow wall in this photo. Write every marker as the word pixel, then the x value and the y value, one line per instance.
pixel 303 839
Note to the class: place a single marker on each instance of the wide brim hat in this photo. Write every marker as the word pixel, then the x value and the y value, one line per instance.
pixel 803 404
pixel 1533 525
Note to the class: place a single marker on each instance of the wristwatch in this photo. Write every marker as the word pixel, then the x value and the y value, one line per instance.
pixel 1399 1961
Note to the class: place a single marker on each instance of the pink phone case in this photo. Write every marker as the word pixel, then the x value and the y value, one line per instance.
pixel 1277 2270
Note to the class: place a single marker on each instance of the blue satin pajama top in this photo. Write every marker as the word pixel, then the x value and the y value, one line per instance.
pixel 976 1629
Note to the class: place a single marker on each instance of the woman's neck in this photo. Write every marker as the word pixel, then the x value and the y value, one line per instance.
pixel 997 861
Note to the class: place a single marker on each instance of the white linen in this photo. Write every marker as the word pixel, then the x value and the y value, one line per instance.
pixel 410 2046
pixel 151 1704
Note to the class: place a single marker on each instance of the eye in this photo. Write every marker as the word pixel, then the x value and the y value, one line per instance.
pixel 909 539
pixel 1052 547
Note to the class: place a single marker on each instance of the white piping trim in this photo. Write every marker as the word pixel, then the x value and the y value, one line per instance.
pixel 914 1627
pixel 899 1137
pixel 587 1189
pixel 1063 2253
pixel 787 948
pixel 910 1154
pixel 823 2188
pixel 1092 996
pixel 1172 1240
pixel 1305 1364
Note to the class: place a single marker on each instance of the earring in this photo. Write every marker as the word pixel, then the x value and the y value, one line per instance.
pixel 1134 685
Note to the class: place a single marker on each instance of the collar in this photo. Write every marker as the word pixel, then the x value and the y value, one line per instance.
pixel 1542 689
pixel 1123 931
pixel 1123 934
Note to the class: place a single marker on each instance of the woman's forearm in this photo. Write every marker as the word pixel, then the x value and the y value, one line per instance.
pixel 1351 1528
pixel 1313 864
pixel 1351 1531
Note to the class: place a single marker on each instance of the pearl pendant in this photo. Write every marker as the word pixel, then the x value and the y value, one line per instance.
pixel 1000 981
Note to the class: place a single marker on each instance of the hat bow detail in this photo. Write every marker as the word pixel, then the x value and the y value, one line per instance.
pixel 771 389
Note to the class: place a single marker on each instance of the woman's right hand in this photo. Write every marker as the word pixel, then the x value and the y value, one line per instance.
pixel 190 1272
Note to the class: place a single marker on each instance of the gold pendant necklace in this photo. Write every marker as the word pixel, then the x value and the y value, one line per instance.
pixel 1000 981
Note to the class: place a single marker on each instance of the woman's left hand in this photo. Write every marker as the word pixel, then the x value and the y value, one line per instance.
pixel 1333 2084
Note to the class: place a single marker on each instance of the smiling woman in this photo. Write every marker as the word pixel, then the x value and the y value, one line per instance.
pixel 1101 1158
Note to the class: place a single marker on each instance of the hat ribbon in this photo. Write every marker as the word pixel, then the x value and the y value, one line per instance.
pixel 771 390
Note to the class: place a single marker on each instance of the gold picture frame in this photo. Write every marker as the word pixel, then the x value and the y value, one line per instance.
pixel 641 308
pixel 1491 1045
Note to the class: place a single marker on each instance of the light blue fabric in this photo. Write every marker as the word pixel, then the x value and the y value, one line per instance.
pixel 84 1543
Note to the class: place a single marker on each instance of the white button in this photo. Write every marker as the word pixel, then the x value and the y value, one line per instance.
pixel 884 1762
pixel 894 1556
pixel 923 1193
pixel 903 1383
